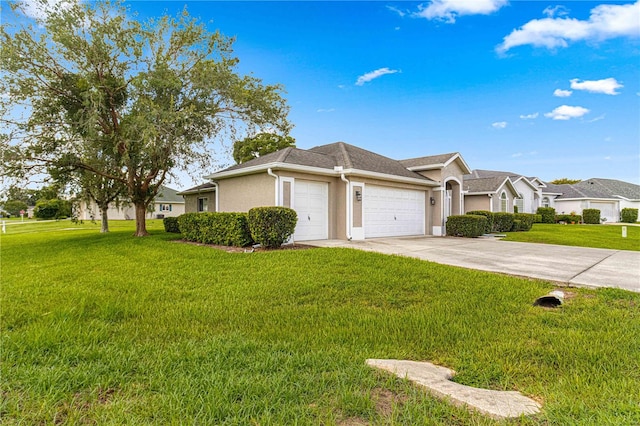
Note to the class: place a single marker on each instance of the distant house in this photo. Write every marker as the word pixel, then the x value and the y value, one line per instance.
pixel 166 204
pixel 201 198
pixel 609 196
pixel 498 191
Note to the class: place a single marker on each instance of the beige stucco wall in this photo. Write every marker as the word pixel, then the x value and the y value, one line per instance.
pixel 476 202
pixel 191 201
pixel 240 194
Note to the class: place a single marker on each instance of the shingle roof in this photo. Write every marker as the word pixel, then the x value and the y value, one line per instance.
pixel 428 160
pixel 480 174
pixel 329 156
pixel 487 184
pixel 168 195
pixel 200 188
pixel 597 188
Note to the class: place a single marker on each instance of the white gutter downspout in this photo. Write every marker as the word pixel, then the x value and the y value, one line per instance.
pixel 348 198
pixel 491 203
pixel 270 173
pixel 215 185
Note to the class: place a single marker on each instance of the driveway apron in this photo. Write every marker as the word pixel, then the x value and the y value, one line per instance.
pixel 577 266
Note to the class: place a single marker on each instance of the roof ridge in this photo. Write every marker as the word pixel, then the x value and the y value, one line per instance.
pixel 345 155
pixel 284 153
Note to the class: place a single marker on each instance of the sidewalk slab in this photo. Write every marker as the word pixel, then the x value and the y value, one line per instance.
pixel 496 404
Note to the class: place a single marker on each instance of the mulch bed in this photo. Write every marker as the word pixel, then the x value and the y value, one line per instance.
pixel 233 249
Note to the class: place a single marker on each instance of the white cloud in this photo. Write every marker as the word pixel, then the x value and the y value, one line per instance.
pixel 530 116
pixel 326 110
pixel 555 11
pixel 394 9
pixel 598 118
pixel 449 10
pixel 517 154
pixel 373 75
pixel 607 86
pixel 605 22
pixel 562 93
pixel 608 157
pixel 566 112
pixel 499 125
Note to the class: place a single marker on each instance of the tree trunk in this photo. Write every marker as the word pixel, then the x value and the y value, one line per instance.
pixel 141 220
pixel 104 221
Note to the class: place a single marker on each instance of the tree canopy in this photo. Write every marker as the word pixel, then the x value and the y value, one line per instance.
pixel 259 145
pixel 562 181
pixel 131 101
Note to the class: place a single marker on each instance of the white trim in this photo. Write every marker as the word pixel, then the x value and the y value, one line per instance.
pixel 348 204
pixel 292 191
pixel 277 191
pixel 357 233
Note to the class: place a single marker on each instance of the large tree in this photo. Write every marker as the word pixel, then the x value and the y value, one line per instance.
pixel 147 97
pixel 260 144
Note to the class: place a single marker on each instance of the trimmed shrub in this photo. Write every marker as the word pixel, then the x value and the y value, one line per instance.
pixel 52 209
pixel 171 225
pixel 272 226
pixel 523 221
pixel 548 214
pixel 487 214
pixel 467 225
pixel 502 222
pixel 226 229
pixel 591 216
pixel 568 218
pixel 629 215
pixel 537 218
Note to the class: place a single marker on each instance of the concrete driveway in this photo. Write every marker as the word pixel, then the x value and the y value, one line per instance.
pixel 577 266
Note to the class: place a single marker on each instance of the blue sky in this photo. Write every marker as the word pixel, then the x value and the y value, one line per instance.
pixel 541 88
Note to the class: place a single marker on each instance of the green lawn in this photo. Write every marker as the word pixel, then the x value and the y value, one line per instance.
pixel 110 329
pixel 598 236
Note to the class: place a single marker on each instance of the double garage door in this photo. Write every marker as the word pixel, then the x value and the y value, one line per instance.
pixel 392 212
pixel 388 212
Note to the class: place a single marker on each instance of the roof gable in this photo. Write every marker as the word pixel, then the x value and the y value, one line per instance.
pixel 488 185
pixel 435 162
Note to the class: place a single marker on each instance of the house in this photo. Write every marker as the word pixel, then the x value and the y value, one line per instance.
pixel 502 191
pixel 341 191
pixel 609 196
pixel 166 204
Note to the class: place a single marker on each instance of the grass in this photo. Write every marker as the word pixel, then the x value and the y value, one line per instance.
pixel 110 329
pixel 597 236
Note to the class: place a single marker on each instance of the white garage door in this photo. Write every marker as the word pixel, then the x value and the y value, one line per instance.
pixel 391 212
pixel 607 210
pixel 311 202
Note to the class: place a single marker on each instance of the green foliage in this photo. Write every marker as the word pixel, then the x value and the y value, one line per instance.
pixel 537 218
pixel 52 209
pixel 563 181
pixel 467 225
pixel 487 214
pixel 629 215
pixel 14 207
pixel 126 99
pixel 568 218
pixel 523 221
pixel 502 221
pixel 548 214
pixel 171 225
pixel 272 226
pixel 591 216
pixel 227 229
pixel 260 145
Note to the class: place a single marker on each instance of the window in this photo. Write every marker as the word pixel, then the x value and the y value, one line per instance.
pixel 504 202
pixel 203 204
pixel 165 207
pixel 519 203
pixel 545 202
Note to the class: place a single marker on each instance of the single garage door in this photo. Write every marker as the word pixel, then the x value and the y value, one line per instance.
pixel 607 210
pixel 392 212
pixel 311 202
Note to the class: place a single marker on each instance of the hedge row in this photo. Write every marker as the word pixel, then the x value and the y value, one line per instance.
pixel 505 222
pixel 548 214
pixel 591 216
pixel 467 225
pixel 268 226
pixel 628 215
pixel 568 218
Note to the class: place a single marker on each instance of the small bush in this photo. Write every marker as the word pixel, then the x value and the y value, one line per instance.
pixel 628 215
pixel 272 226
pixel 523 221
pixel 171 225
pixel 52 209
pixel 502 222
pixel 537 218
pixel 568 218
pixel 591 216
pixel 548 214
pixel 227 229
pixel 487 214
pixel 467 225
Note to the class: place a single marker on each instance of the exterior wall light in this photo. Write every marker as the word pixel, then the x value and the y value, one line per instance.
pixel 358 195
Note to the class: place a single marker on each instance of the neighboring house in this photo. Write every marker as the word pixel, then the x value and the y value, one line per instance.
pixel 341 191
pixel 609 196
pixel 201 198
pixel 166 204
pixel 495 194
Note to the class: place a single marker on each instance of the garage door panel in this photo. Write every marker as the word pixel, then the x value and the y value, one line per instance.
pixel 311 203
pixel 393 212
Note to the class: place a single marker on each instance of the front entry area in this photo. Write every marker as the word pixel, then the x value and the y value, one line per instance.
pixel 311 202
pixel 392 212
